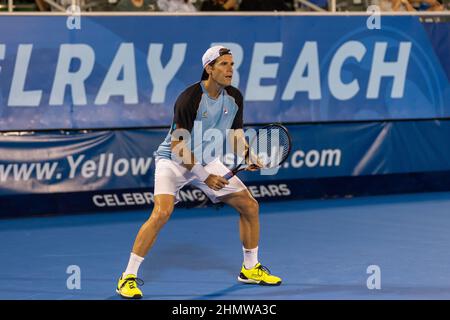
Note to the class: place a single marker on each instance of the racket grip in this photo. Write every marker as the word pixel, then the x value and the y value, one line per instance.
pixel 229 175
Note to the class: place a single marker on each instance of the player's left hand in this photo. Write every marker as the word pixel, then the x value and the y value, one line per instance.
pixel 254 162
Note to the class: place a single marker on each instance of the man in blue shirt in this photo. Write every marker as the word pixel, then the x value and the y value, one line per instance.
pixel 211 107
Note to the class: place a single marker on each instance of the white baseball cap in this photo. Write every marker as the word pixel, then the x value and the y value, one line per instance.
pixel 212 54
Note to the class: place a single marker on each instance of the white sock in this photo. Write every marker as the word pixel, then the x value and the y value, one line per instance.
pixel 133 264
pixel 250 257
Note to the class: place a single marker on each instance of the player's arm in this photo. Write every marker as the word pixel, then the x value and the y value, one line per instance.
pixel 239 145
pixel 181 153
pixel 240 148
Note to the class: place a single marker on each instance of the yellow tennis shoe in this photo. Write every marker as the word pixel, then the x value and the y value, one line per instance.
pixel 259 274
pixel 127 287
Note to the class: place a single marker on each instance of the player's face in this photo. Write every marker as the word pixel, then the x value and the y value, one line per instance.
pixel 222 70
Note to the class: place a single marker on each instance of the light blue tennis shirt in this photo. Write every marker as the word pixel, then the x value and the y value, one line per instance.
pixel 207 120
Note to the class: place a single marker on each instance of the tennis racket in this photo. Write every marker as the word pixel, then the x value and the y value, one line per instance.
pixel 268 148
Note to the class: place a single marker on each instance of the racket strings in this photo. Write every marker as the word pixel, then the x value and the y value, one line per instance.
pixel 271 147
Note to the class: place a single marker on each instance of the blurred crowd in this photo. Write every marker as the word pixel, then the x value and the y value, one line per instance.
pixel 160 5
pixel 411 5
pixel 231 5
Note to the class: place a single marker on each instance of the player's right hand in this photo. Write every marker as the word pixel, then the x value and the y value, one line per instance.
pixel 216 182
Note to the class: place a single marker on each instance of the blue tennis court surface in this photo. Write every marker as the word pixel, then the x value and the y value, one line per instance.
pixel 321 249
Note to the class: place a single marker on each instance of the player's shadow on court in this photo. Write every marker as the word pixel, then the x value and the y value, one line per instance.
pixel 213 295
pixel 186 257
pixel 223 292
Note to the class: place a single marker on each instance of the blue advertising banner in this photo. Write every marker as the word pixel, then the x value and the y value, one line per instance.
pixel 114 170
pixel 121 159
pixel 127 71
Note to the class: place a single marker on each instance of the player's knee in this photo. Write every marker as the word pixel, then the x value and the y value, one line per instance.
pixel 161 215
pixel 253 205
pixel 250 206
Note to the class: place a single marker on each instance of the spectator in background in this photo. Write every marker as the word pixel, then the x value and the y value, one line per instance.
pixel 323 4
pixel 266 5
pixel 219 5
pixel 411 5
pixel 392 5
pixel 176 6
pixel 42 5
pixel 425 5
pixel 130 5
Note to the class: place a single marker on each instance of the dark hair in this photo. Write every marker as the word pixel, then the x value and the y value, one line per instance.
pixel 205 75
pixel 222 52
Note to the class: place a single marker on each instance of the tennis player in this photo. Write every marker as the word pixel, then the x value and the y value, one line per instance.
pixel 211 103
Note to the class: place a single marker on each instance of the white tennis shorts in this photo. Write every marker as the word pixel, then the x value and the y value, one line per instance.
pixel 170 177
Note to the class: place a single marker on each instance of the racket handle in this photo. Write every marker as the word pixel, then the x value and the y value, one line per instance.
pixel 229 175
